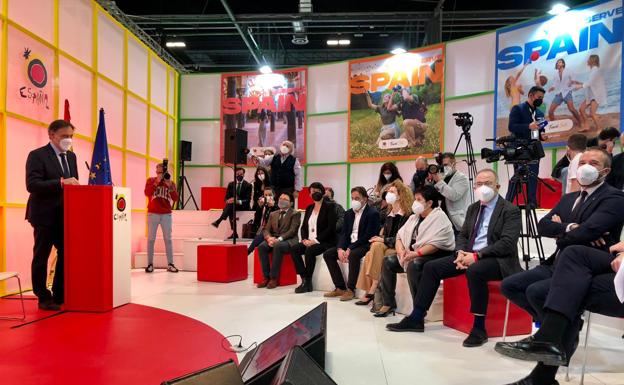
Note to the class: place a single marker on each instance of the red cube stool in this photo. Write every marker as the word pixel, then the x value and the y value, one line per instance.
pixel 212 198
pixel 221 263
pixel 288 275
pixel 457 310
pixel 304 199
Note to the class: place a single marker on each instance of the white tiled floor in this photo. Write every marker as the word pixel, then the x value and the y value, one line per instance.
pixel 359 349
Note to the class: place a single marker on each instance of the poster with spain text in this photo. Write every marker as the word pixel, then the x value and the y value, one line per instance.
pixel 396 104
pixel 576 57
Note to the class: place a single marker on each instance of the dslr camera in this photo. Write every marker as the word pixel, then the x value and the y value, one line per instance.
pixel 165 166
pixel 514 150
pixel 437 168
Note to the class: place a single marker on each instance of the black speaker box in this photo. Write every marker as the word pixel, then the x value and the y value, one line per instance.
pixel 222 374
pixel 186 150
pixel 235 146
pixel 298 368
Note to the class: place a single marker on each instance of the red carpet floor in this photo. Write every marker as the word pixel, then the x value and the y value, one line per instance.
pixel 132 344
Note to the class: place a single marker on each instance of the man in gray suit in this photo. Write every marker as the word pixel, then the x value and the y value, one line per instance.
pixel 486 250
pixel 280 234
pixel 453 185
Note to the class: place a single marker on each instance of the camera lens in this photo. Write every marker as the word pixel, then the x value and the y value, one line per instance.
pixel 433 169
pixel 167 176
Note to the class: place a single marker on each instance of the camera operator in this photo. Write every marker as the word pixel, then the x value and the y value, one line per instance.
pixel 524 124
pixel 162 194
pixel 453 186
pixel 420 176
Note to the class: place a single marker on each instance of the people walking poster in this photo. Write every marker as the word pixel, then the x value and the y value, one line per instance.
pixel 396 105
pixel 270 107
pixel 576 57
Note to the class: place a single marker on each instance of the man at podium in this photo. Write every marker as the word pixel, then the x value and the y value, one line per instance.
pixel 48 169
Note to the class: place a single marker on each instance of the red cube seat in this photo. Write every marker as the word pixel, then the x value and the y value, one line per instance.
pixel 288 275
pixel 221 263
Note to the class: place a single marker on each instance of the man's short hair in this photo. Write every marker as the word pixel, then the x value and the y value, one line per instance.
pixel 318 186
pixel 449 155
pixel 361 190
pixel 609 133
pixel 491 171
pixel 240 169
pixel 59 124
pixel 289 195
pixel 535 89
pixel 269 188
pixel 606 158
pixel 577 142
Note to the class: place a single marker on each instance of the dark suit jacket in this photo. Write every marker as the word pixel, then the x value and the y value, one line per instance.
pixel 43 182
pixel 616 177
pixel 245 194
pixel 325 223
pixel 519 119
pixel 288 229
pixel 601 216
pixel 502 238
pixel 369 227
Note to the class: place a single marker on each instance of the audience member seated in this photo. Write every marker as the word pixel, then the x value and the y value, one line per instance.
pixel 318 233
pixel 592 217
pixel 454 187
pixel 266 205
pixel 426 236
pixel 399 199
pixel 583 280
pixel 261 181
pixel 577 144
pixel 286 174
pixel 239 193
pixel 361 223
pixel 420 176
pixel 340 211
pixel 280 234
pixel 388 173
pixel 486 250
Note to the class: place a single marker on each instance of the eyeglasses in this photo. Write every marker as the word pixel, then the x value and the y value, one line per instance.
pixel 489 184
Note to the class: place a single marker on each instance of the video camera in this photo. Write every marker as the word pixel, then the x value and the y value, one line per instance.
pixel 165 164
pixel 514 150
pixel 463 120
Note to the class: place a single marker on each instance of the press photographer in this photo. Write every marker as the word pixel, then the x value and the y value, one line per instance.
pixel 453 186
pixel 526 122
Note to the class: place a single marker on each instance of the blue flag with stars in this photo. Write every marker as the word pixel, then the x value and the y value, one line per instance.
pixel 100 173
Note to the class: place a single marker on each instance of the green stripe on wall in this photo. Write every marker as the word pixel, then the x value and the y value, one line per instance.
pixel 327 113
pixel 466 96
pixel 200 119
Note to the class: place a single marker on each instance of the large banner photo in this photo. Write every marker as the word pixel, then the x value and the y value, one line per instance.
pixel 577 58
pixel 396 105
pixel 270 107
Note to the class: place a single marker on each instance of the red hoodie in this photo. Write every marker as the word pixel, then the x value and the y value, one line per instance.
pixel 161 198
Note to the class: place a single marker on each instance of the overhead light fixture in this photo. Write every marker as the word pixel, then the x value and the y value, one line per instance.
pixel 358 34
pixel 265 69
pixel 298 26
pixel 344 42
pixel 175 44
pixel 383 35
pixel 332 42
pixel 558 9
pixel 398 51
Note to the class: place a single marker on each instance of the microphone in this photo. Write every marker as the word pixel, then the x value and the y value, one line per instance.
pixel 87 164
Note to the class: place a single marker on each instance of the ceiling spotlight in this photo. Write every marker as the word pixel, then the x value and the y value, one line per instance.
pixel 558 9
pixel 358 34
pixel 383 35
pixel 265 69
pixel 332 42
pixel 175 44
pixel 344 42
pixel 398 51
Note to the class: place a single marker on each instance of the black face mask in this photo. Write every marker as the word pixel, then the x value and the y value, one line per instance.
pixel 422 174
pixel 239 178
pixel 537 102
pixel 317 196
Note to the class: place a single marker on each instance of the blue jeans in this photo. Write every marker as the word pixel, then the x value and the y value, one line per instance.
pixel 164 220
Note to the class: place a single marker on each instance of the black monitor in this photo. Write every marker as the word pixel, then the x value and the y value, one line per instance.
pixel 298 368
pixel 260 365
pixel 225 373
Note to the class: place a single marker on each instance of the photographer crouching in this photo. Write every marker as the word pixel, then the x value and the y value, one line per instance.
pixel 526 122
pixel 453 186
pixel 162 194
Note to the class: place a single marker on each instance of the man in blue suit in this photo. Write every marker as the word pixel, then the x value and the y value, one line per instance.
pixel 523 123
pixel 361 223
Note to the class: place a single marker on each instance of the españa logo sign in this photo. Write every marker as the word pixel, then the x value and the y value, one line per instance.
pixel 38 76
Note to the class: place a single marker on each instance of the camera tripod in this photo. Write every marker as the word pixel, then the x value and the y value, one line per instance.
pixel 182 182
pixel 470 159
pixel 519 187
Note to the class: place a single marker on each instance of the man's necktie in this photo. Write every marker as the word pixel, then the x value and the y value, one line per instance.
pixel 576 211
pixel 66 173
pixel 476 228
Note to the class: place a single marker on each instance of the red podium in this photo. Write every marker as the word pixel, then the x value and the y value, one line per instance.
pixel 457 310
pixel 98 232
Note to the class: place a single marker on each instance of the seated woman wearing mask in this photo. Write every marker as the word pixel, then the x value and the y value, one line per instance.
pixel 260 182
pixel 318 233
pixel 399 199
pixel 427 235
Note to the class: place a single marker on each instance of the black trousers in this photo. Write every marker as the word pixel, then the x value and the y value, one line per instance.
pixel 272 270
pixel 258 239
pixel 391 268
pixel 45 238
pixel 355 256
pixel 528 289
pixel 299 251
pixel 228 213
pixel 478 275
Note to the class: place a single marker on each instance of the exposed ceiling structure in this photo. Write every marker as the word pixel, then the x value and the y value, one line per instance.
pixel 239 35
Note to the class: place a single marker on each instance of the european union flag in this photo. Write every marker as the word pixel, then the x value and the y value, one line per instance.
pixel 100 173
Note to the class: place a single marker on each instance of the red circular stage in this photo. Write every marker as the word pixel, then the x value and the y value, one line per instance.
pixel 132 344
